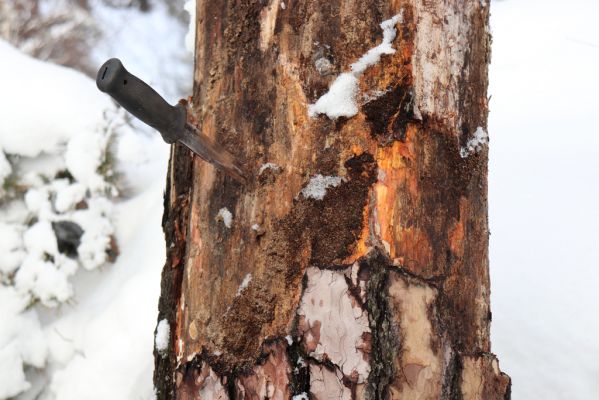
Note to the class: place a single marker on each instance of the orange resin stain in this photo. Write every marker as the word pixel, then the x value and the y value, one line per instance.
pixel 457 233
pixel 393 176
pixel 413 249
pixel 396 190
pixel 362 246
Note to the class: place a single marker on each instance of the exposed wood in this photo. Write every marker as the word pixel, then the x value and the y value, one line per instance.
pixel 372 285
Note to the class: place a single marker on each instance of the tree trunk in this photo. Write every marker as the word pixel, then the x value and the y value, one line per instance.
pixel 354 263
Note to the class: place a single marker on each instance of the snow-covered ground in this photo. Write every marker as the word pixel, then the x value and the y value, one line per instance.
pixel 93 337
pixel 544 196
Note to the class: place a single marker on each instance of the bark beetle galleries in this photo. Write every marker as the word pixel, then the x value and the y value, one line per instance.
pixel 379 289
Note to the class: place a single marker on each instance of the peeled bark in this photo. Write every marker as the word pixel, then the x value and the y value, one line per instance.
pixel 354 263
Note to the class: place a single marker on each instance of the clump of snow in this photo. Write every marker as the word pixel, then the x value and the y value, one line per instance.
pixel 268 166
pixel 36 121
pixel 61 168
pixel 21 342
pixel 98 231
pixel 190 7
pixel 163 336
pixel 83 157
pixel 225 216
pixel 256 227
pixel 11 247
pixel 340 100
pixel 283 6
pixel 323 65
pixel 5 170
pixel 301 396
pixel 68 195
pixel 318 185
pixel 244 284
pixel 373 55
pixel 476 143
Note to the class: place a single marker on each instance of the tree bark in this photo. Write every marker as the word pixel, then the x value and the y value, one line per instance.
pixel 354 262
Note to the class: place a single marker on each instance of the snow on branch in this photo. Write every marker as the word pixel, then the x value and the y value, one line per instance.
pixel 340 100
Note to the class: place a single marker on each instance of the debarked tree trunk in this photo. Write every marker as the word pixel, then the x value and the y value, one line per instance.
pixel 354 262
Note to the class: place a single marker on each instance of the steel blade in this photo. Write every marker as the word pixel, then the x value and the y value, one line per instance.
pixel 212 152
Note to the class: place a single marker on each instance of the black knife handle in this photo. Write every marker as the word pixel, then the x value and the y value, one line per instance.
pixel 141 100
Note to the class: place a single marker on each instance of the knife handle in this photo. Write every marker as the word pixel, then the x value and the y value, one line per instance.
pixel 141 100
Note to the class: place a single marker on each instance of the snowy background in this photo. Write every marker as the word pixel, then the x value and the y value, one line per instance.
pixel 77 315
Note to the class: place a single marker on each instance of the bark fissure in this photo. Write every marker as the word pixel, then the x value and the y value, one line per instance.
pixel 386 342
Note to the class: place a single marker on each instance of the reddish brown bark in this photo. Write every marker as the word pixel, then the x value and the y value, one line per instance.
pixel 380 289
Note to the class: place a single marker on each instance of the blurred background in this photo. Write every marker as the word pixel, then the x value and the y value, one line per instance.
pixel 81 246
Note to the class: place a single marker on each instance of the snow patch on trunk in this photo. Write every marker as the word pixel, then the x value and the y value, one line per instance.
pixel 340 100
pixel 163 336
pixel 476 143
pixel 318 185
pixel 244 284
pixel 225 216
pixel 268 166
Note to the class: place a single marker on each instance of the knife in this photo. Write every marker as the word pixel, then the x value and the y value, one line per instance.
pixel 145 103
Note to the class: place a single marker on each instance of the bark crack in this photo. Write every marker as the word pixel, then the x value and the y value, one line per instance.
pixel 385 342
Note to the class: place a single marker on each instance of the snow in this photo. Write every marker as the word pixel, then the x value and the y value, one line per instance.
pixel 268 166
pixel 244 284
pixel 60 97
pixel 301 396
pixel 21 342
pixel 163 336
pixel 318 185
pixel 543 196
pixel 107 338
pixel 340 100
pixel 5 170
pixel 225 216
pixel 40 278
pixel 11 247
pixel 68 195
pixel 73 328
pixel 97 232
pixel 373 55
pixel 476 143
pixel 190 37
pixel 83 156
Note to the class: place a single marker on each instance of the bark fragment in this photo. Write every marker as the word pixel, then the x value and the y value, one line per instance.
pixel 332 326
